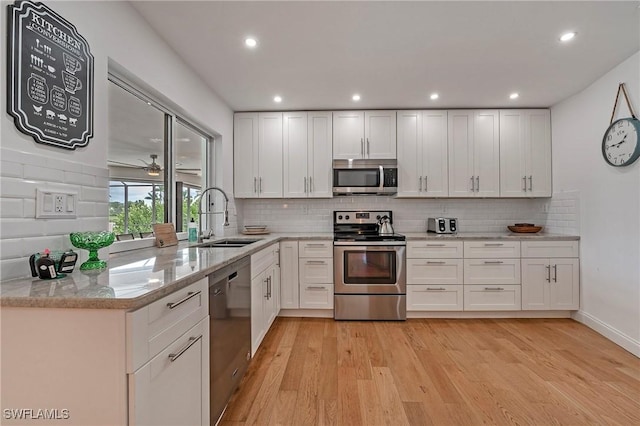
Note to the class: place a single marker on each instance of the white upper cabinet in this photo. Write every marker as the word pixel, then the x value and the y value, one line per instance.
pixel 474 153
pixel 307 154
pixel 422 154
pixel 525 153
pixel 364 135
pixel 258 155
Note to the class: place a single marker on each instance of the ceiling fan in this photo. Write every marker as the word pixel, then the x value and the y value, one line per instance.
pixel 153 168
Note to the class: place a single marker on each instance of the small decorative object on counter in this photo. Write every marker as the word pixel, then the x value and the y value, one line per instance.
pixel 45 266
pixel 524 228
pixel 92 241
pixel 63 263
pixel 193 231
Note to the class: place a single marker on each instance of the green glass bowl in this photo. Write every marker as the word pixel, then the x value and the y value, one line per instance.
pixel 92 241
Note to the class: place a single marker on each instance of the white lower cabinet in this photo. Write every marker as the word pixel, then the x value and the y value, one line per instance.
pixel 315 268
pixel 491 271
pixel 162 391
pixel 289 285
pixel 316 296
pixel 492 298
pixel 550 284
pixel 265 293
pixel 435 298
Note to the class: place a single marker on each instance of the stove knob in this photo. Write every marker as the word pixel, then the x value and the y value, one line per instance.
pixel 340 217
pixel 347 217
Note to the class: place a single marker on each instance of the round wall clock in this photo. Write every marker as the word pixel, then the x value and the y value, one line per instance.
pixel 620 144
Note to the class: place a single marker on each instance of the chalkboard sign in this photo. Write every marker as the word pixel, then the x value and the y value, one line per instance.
pixel 50 77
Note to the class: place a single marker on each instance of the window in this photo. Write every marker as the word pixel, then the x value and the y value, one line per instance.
pixel 152 149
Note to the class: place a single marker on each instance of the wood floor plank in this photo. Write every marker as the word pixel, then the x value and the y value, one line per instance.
pixel 436 372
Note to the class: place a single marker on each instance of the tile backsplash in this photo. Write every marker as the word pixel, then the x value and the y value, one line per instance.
pixel 21 234
pixel 410 215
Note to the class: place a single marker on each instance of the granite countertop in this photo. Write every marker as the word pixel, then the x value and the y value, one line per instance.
pixel 134 278
pixel 138 277
pixel 541 236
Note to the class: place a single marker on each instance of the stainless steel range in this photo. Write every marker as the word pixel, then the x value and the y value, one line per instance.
pixel 369 268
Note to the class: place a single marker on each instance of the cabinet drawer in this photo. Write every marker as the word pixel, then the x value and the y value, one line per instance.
pixel 434 249
pixel 435 298
pixel 434 271
pixel 550 249
pixel 153 327
pixel 492 271
pixel 316 248
pixel 316 296
pixel 480 249
pixel 263 259
pixel 316 270
pixel 492 298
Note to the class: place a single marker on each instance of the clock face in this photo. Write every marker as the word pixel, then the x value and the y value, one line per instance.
pixel 620 142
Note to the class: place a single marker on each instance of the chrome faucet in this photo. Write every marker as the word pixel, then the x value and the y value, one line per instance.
pixel 200 212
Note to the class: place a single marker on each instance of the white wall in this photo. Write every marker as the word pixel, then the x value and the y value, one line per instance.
pixel 115 32
pixel 609 204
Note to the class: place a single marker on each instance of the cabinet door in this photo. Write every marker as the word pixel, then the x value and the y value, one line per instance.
pixel 538 127
pixel 410 154
pixel 486 152
pixel 492 298
pixel 564 289
pixel 348 135
pixel 258 320
pixel 435 298
pixel 316 296
pixel 294 138
pixel 380 134
pixel 289 284
pixel 435 170
pixel 245 158
pixel 460 150
pixel 173 387
pixel 535 284
pixel 513 173
pixel 434 271
pixel 320 154
pixel 316 270
pixel 272 301
pixel 491 271
pixel 270 154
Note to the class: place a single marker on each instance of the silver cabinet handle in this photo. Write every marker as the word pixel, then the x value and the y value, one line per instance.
pixel 181 301
pixel 530 182
pixel 473 186
pixel 436 289
pixel 494 289
pixel 477 183
pixel 260 186
pixel 420 184
pixel 269 286
pixel 316 287
pixel 433 262
pixel 493 244
pixel 278 257
pixel 310 184
pixel 381 187
pixel 266 289
pixel 192 341
pixel 548 267
pixel 255 184
pixel 436 245
pixel 368 148
pixel 362 146
pixel 217 292
pixel 316 262
pixel 555 273
pixel 524 181
pixel 305 185
pixel 425 184
pixel 493 262
pixel 314 245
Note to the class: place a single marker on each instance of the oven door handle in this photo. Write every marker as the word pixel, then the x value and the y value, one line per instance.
pixel 381 178
pixel 371 244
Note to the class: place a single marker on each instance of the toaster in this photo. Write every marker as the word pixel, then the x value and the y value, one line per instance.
pixel 442 225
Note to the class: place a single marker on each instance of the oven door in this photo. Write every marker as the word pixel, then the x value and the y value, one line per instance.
pixel 369 269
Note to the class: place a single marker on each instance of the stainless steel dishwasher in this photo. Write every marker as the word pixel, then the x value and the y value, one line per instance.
pixel 230 316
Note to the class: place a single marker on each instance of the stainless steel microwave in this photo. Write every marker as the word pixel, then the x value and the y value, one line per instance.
pixel 365 177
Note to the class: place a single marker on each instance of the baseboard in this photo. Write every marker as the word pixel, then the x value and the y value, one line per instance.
pixel 306 313
pixel 609 332
pixel 488 314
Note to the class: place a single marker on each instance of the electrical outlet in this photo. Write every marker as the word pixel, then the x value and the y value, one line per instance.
pixel 54 204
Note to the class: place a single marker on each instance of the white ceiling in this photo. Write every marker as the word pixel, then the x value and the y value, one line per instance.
pixel 395 54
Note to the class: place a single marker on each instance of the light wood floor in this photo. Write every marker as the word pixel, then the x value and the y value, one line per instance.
pixel 434 371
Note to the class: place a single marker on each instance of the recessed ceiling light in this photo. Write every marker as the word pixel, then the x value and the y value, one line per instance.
pixel 356 98
pixel 514 96
pixel 434 96
pixel 277 99
pixel 567 36
pixel 250 42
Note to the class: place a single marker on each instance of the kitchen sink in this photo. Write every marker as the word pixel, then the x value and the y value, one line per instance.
pixel 230 242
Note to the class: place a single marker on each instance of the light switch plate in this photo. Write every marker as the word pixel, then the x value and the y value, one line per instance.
pixel 55 204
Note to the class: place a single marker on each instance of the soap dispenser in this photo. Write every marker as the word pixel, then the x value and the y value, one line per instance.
pixel 193 231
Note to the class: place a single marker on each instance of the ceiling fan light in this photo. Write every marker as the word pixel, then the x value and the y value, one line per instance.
pixel 153 173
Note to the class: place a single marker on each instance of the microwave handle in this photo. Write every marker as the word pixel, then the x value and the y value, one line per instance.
pixel 381 178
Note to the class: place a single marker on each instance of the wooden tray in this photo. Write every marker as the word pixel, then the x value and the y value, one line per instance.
pixel 165 234
pixel 529 229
